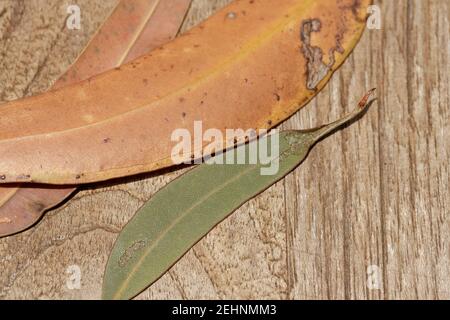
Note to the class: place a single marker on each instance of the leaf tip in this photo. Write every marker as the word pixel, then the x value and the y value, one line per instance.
pixel 363 102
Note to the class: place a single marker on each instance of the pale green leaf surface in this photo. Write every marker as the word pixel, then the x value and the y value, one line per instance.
pixel 184 211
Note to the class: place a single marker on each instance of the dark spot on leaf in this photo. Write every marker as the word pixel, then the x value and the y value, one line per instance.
pixel 37 206
pixel 303 100
pixel 183 114
pixel 106 140
pixel 354 7
pixel 145 81
pixel 277 96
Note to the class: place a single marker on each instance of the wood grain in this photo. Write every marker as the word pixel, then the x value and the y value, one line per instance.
pixel 374 194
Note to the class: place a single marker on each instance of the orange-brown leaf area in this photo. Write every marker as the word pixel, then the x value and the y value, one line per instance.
pixel 20 205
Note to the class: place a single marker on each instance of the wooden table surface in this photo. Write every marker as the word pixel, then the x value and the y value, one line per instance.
pixel 364 217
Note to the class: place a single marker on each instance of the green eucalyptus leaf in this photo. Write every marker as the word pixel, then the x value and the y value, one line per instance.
pixel 184 211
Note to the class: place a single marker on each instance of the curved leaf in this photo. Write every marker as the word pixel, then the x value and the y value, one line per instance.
pixel 186 209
